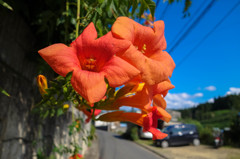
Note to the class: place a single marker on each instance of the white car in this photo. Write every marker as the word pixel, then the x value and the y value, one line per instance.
pixel 145 135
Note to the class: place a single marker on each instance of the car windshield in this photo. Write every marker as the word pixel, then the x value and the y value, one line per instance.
pixel 167 129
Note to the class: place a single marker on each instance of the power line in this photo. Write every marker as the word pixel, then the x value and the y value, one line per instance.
pixel 188 22
pixel 157 2
pixel 197 20
pixel 164 12
pixel 209 33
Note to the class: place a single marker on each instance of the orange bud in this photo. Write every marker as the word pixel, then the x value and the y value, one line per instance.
pixel 77 156
pixel 42 84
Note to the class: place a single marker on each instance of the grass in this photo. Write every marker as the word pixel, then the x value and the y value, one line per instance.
pixel 145 141
pixel 220 118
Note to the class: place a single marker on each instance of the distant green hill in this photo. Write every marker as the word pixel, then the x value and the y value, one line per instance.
pixel 217 114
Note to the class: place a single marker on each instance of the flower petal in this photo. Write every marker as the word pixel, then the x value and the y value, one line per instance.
pixel 160 40
pixel 158 68
pixel 123 28
pixel 141 100
pixel 162 88
pixel 151 119
pixel 159 101
pixel 166 60
pixel 101 50
pixel 90 85
pixel 88 35
pixel 165 116
pixel 135 118
pixel 157 134
pixel 146 42
pixel 90 113
pixel 126 28
pixel 61 58
pixel 148 121
pixel 155 69
pixel 118 71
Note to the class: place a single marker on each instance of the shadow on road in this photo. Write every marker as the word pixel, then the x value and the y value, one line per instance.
pixel 104 128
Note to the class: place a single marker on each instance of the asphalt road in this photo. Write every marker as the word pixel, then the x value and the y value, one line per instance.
pixel 113 147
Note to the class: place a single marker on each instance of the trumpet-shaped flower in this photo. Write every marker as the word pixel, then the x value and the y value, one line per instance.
pixel 146 49
pixel 91 60
pixel 150 122
pixel 143 98
pixel 147 121
pixel 42 84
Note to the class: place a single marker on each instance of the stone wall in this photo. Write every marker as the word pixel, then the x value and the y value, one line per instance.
pixel 21 132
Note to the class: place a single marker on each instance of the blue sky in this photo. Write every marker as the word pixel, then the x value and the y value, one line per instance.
pixel 213 68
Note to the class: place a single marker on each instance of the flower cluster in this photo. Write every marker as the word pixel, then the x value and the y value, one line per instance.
pixel 148 19
pixel 126 67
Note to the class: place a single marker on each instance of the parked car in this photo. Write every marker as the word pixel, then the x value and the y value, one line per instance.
pixel 145 135
pixel 180 134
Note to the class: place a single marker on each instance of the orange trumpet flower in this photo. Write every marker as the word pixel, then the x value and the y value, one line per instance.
pixel 147 121
pixel 91 60
pixel 143 98
pixel 146 49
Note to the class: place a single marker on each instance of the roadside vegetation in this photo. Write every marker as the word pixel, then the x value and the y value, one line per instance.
pixel 223 113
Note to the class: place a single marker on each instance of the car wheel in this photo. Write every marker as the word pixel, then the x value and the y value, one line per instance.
pixel 157 143
pixel 164 144
pixel 196 142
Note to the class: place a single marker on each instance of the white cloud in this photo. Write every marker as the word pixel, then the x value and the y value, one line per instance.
pixel 198 95
pixel 233 90
pixel 181 100
pixel 211 100
pixel 210 88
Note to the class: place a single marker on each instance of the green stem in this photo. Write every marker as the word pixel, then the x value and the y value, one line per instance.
pixel 67 21
pixel 73 116
pixel 78 17
pixel 93 116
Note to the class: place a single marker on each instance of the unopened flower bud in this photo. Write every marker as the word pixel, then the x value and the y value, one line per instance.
pixel 42 84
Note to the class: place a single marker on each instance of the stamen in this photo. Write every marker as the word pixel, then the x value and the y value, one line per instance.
pixel 144 48
pixel 90 64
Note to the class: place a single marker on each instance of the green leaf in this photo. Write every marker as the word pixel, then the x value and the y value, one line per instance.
pixel 4 92
pixel 4 4
pixel 109 9
pixel 45 114
pixel 99 10
pixel 147 4
pixel 134 6
pixel 69 76
pixel 65 89
pixel 151 6
pixel 100 1
pixel 59 111
pixel 143 7
pixel 99 27
pixel 113 8
pixel 122 12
